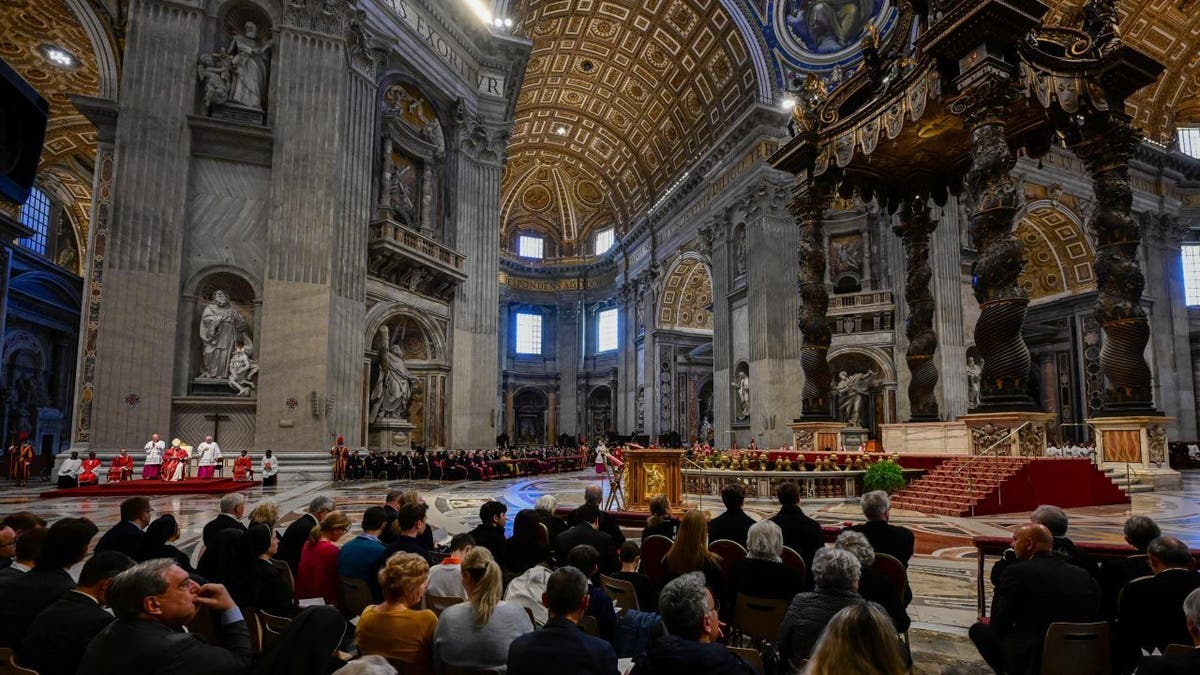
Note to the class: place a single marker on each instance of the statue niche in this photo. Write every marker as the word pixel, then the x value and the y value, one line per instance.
pixel 225 365
pixel 411 161
pixel 406 376
pixel 234 78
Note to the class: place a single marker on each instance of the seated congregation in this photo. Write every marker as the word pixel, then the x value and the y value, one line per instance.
pixel 561 595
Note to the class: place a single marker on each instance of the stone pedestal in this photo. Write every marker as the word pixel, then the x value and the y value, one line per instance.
pixel 815 436
pixel 852 438
pixel 1138 444
pixel 993 433
pixel 936 438
pixel 390 434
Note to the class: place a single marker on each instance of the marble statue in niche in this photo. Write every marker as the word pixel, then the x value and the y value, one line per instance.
pixel 394 385
pixel 741 391
pixel 222 330
pixel 248 67
pixel 213 71
pixel 852 390
pixel 640 406
pixel 243 371
pixel 974 378
pixel 739 250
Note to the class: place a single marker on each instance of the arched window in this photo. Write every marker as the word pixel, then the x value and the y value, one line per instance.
pixel 35 214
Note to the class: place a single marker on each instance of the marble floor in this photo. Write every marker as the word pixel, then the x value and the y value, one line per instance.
pixel 942 574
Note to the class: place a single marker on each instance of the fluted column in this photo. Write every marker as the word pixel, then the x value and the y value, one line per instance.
pixel 1119 276
pixel 914 228
pixel 809 208
pixel 997 192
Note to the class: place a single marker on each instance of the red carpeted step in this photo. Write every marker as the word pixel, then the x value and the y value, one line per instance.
pixel 131 488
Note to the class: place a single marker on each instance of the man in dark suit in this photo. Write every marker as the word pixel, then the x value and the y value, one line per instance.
pixel 1042 589
pixel 587 531
pixel 391 508
pixel 126 536
pixel 29 549
pixel 490 531
pixel 233 508
pixel 734 523
pixel 593 494
pixel 153 601
pixel 560 646
pixel 60 634
pixel 884 537
pixel 25 596
pixel 689 614
pixel 297 533
pixel 1114 574
pixel 411 524
pixel 1186 664
pixel 8 546
pixel 1150 615
pixel 1055 520
pixel 800 533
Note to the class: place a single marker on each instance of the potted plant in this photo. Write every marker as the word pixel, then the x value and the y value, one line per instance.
pixel 884 475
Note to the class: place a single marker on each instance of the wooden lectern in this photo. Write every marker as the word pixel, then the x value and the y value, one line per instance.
pixel 650 472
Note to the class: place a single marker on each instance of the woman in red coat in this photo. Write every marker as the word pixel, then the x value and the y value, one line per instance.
pixel 87 473
pixel 317 575
pixel 121 467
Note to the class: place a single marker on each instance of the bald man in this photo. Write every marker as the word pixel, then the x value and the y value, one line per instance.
pixel 1043 589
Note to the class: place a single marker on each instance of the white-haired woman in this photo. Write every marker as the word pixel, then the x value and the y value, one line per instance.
pixel 545 507
pixel 835 573
pixel 762 574
pixel 872 584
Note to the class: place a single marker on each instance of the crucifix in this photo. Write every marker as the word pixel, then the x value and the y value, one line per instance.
pixel 216 419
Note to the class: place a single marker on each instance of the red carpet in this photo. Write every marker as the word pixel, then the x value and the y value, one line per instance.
pixel 129 488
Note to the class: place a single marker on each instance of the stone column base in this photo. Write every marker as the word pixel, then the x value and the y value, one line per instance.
pixel 993 433
pixel 1137 443
pixel 815 436
pixel 390 434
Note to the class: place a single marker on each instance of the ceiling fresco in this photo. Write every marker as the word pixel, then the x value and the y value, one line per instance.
pixel 618 100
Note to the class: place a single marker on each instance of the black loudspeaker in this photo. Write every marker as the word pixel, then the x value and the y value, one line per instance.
pixel 23 115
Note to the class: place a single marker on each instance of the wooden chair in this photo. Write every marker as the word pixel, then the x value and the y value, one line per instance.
pixel 589 625
pixel 1178 650
pixel 622 592
pixel 750 656
pixel 437 603
pixel 730 552
pixel 654 549
pixel 287 574
pixel 356 595
pixel 254 626
pixel 894 570
pixel 1077 648
pixel 794 560
pixel 8 664
pixel 758 618
pixel 272 626
pixel 448 669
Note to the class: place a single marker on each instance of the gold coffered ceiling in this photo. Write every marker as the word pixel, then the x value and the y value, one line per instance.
pixel 1168 30
pixel 618 99
pixel 70 150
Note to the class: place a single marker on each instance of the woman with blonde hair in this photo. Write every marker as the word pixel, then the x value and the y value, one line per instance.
pixel 859 640
pixel 689 553
pixel 476 634
pixel 266 513
pixel 396 628
pixel 316 575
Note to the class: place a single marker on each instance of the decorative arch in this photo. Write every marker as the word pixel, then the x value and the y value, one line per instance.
pixel 881 359
pixel 686 299
pixel 1058 254
pixel 394 314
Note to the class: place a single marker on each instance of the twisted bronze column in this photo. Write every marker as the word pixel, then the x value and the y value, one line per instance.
pixel 1118 275
pixel 914 229
pixel 809 208
pixel 999 261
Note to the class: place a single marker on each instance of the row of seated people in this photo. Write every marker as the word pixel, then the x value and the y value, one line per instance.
pixel 461 464
pixel 1145 602
pixel 152 602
